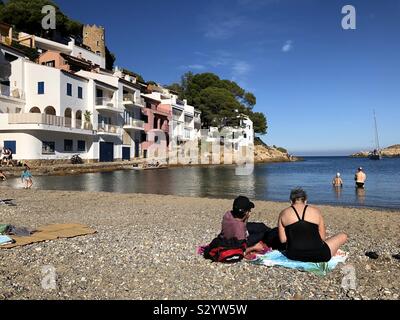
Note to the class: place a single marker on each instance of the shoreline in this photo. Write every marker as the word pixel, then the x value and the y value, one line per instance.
pixel 76 169
pixel 145 249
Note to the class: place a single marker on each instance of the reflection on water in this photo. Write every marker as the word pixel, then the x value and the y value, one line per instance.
pixel 338 191
pixel 266 182
pixel 360 193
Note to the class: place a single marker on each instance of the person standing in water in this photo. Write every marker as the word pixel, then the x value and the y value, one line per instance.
pixel 26 178
pixel 337 181
pixel 360 178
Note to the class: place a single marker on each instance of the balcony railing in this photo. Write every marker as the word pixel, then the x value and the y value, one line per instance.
pixel 107 102
pixel 129 97
pixel 14 93
pixel 136 124
pixel 108 128
pixel 45 119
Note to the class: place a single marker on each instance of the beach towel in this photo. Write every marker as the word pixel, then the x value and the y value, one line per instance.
pixel 276 258
pixel 51 232
pixel 4 240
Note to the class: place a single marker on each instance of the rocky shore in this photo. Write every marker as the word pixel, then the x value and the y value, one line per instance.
pixel 145 249
pixel 390 152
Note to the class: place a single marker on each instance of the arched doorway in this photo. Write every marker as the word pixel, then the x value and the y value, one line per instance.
pixel 68 117
pixel 34 110
pixel 50 111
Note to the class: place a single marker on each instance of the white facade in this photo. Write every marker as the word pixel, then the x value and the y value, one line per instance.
pixel 71 49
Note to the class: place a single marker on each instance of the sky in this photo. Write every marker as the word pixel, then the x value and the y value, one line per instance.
pixel 317 83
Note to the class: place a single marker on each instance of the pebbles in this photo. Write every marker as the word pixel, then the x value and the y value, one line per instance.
pixel 145 249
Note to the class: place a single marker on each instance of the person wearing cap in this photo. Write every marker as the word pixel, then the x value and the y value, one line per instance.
pixel 234 225
pixel 337 181
pixel 360 178
pixel 303 230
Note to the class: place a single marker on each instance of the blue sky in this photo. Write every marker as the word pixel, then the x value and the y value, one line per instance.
pixel 317 83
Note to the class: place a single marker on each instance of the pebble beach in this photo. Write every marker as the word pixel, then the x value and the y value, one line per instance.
pixel 145 249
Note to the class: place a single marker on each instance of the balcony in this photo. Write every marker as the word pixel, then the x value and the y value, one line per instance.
pixel 108 129
pixel 131 100
pixel 107 104
pixel 134 125
pixel 5 91
pixel 46 122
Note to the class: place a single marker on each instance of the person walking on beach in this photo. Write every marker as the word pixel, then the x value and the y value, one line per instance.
pixel 360 178
pixel 26 178
pixel 305 235
pixel 337 181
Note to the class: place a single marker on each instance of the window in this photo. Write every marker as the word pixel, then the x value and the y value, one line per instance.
pixel 98 43
pixel 68 145
pixel 12 145
pixel 48 147
pixel 41 87
pixel 156 140
pixel 80 92
pixel 81 145
pixel 69 89
pixel 51 63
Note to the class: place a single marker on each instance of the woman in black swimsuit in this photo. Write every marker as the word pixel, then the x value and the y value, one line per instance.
pixel 305 235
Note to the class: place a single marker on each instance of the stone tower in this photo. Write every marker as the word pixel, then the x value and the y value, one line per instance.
pixel 95 38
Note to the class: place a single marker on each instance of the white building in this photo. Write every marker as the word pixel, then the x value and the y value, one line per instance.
pixel 71 48
pixel 48 123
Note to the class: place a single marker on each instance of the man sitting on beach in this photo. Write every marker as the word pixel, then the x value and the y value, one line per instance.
pixel 360 178
pixel 305 235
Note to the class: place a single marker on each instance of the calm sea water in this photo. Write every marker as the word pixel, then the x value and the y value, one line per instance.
pixel 268 181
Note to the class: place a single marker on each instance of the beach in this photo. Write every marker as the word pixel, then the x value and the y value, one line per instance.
pixel 145 248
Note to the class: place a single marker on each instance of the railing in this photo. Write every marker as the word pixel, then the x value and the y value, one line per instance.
pixel 108 128
pixel 137 101
pixel 136 124
pixel 104 102
pixel 45 119
pixel 15 93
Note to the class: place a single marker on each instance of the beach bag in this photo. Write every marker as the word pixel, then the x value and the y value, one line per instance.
pixel 225 250
pixel 4 229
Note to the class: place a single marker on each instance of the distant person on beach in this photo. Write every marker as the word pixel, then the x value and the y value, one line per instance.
pixel 2 176
pixel 305 236
pixel 7 156
pixel 360 178
pixel 337 181
pixel 26 178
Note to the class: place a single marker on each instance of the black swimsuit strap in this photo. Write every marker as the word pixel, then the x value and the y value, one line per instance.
pixel 304 212
pixel 297 214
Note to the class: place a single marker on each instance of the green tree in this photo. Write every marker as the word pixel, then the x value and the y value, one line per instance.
pixel 110 59
pixel 220 101
pixel 259 122
pixel 27 16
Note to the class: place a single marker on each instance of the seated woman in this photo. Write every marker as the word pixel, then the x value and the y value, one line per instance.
pixel 305 236
pixel 234 225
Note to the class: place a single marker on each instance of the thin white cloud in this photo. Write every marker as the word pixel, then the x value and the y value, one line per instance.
pixel 240 68
pixel 193 67
pixel 223 27
pixel 288 46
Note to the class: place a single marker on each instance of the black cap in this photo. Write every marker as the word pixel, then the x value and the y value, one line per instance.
pixel 242 204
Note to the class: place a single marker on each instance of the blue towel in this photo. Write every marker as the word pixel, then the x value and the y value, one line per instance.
pixel 5 240
pixel 276 258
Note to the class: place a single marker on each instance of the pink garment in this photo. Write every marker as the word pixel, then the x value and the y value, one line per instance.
pixel 233 228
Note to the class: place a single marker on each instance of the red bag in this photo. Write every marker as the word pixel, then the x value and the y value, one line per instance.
pixel 225 250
